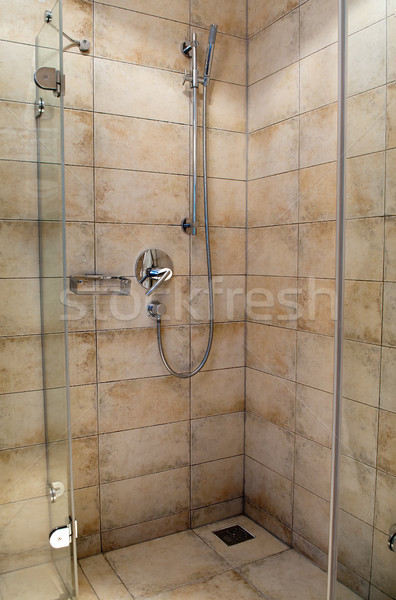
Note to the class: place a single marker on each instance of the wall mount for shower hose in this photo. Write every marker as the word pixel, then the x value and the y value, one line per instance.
pixel 84 45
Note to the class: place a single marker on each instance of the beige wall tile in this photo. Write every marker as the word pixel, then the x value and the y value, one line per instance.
pixel 364 250
pixel 274 48
pixel 23 473
pixel 207 444
pixel 391 48
pixel 390 249
pixel 216 392
pixel 80 311
pixel 226 106
pixel 316 305
pixel 21 364
pixel 228 247
pixel 273 200
pixel 391 122
pixel 141 403
pixel 229 62
pixel 359 431
pixel 270 398
pixel 314 414
pixel 317 193
pixel 270 445
pixel 24 532
pixel 316 253
pixel 311 517
pixel 388 375
pixel 272 251
pixel 261 13
pixel 315 360
pixel 29 24
pixel 227 202
pixel 83 406
pixel 22 419
pixel 357 489
pixel 320 17
pixel 78 69
pixel 272 350
pixel 389 329
pixel 19 299
pixel 366 185
pixel 312 468
pixel 319 78
pixel 18 190
pixel 18 139
pixel 269 523
pixel 385 510
pixel 78 137
pixel 85 461
pixel 383 564
pixel 229 298
pixel 274 98
pixel 386 442
pixel 217 481
pixel 227 349
pixel 19 249
pixel 230 15
pixel 376 594
pixel 79 193
pixel 361 15
pixel 154 496
pixel 78 18
pixel 154 449
pixel 216 512
pixel 318 139
pixel 361 376
pixel 82 353
pixel 228 154
pixel 87 510
pixel 363 308
pixel 272 300
pixel 366 122
pixel 17 66
pixel 355 556
pixel 274 149
pixel 170 9
pixel 367 58
pixel 103 579
pixel 88 546
pixel 80 248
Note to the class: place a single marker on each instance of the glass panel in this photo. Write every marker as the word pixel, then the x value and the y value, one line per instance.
pixel 52 286
pixel 367 504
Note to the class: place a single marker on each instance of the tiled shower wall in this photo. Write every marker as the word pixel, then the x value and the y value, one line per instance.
pixel 290 302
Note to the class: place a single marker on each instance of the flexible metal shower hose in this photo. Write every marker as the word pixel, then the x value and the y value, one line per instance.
pixel 209 264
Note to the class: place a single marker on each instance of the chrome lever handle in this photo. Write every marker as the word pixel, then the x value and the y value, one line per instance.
pixel 164 274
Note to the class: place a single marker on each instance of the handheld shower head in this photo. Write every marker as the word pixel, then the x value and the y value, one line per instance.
pixel 209 54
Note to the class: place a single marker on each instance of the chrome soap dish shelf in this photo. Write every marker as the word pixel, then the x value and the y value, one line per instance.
pixel 100 285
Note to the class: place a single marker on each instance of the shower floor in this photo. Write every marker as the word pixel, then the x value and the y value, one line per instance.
pixel 197 565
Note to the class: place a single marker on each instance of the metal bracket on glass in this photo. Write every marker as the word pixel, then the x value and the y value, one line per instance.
pixel 49 78
pixel 61 537
pixel 40 107
pixel 392 538
pixel 100 285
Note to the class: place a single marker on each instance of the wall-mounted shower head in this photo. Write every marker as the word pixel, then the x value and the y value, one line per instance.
pixel 209 54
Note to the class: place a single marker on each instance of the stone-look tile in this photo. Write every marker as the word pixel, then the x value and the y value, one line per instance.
pixel 315 361
pixel 229 63
pixel 83 407
pixel 119 245
pixel 24 533
pixel 139 31
pixel 319 78
pixel 103 579
pixel 391 48
pixel 82 354
pixel 16 82
pixel 274 98
pixel 208 444
pixel 311 551
pixel 269 523
pixel 314 414
pixel 318 140
pixel 217 392
pixel 122 196
pixel 78 137
pixel 388 379
pixel 261 13
pixel 79 193
pixel 385 510
pixel 22 473
pixel 319 17
pixel 217 481
pixel 355 556
pixel 154 449
pixel 390 249
pixel 366 185
pixel 389 328
pixel 19 249
pixel 89 546
pixel 29 25
pixel 228 248
pixel 311 517
pixel 18 140
pixel 316 253
pixel 316 300
pixel 367 58
pixel 312 469
pixel 22 419
pixel 376 594
pixel 270 445
pixel 18 190
pixel 387 442
pixel 127 354
pixel 273 200
pixel 270 398
pixel 132 90
pixel 364 251
pixel 359 431
pixel 141 403
pixel 317 193
pixel 142 532
pixel 272 350
pixel 215 512
pixel 366 122
pixel 85 591
pixel 263 544
pixel 357 489
pixel 154 496
pixel 273 251
pixel 78 18
pixel 228 349
pixel 228 585
pixel 87 510
pixel 54 367
pixel 391 121
pixel 363 308
pixel 113 135
pixel 21 364
pixel 78 69
pixel 85 461
pixel 228 154
pixel 20 301
pixel 366 14
pixel 80 248
pixel 170 9
pixel 273 300
pixel 274 48
pixel 162 564
pixel 39 582
pixel 274 149
pixel 227 202
pixel 361 377
pixel 269 491
pixel 383 565
pixel 229 14
pixel 229 294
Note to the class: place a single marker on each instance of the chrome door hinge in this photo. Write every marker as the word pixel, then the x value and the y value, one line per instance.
pixel 61 537
pixel 49 78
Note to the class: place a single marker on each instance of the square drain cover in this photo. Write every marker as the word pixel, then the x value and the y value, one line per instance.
pixel 233 535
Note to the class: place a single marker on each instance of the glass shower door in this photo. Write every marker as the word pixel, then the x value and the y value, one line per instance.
pixel 50 165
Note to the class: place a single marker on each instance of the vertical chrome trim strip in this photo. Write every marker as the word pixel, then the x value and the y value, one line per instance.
pixel 340 285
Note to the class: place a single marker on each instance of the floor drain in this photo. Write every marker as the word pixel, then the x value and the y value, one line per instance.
pixel 233 535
